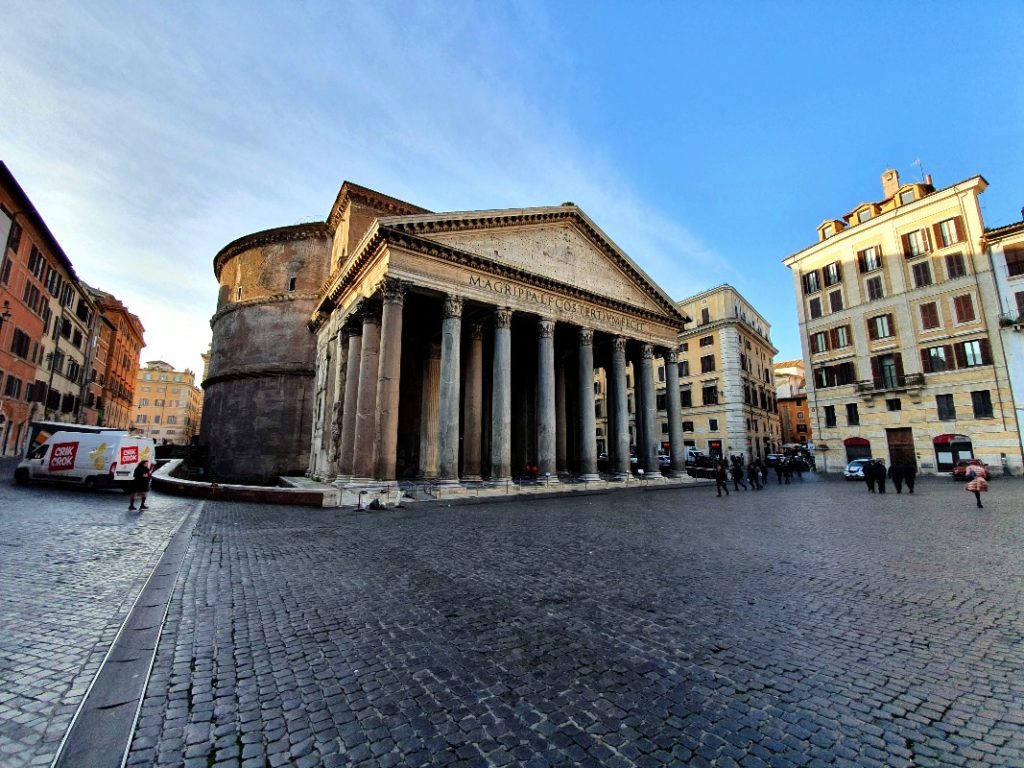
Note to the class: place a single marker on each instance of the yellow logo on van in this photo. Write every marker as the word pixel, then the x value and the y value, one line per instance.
pixel 98 456
pixel 145 454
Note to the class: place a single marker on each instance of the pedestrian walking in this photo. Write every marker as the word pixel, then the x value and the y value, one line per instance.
pixel 896 475
pixel 909 473
pixel 721 480
pixel 778 473
pixel 879 475
pixel 868 471
pixel 753 477
pixel 140 484
pixel 787 471
pixel 737 477
pixel 977 483
pixel 764 473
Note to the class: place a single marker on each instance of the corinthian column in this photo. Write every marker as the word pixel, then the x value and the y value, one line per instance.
pixel 366 401
pixel 473 404
pixel 501 397
pixel 645 380
pixel 354 339
pixel 588 419
pixel 546 412
pixel 389 369
pixel 675 425
pixel 448 429
pixel 561 427
pixel 431 405
pixel 620 409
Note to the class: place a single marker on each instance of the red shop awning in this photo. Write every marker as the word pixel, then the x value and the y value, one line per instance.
pixel 855 441
pixel 942 439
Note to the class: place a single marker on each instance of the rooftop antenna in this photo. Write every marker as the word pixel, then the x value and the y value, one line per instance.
pixel 920 168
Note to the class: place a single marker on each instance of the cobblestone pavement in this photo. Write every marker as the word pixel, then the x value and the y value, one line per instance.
pixel 71 563
pixel 805 625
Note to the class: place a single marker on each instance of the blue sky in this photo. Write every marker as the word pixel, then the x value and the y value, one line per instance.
pixel 707 139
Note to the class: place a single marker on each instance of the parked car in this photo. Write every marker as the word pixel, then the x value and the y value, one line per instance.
pixel 664 461
pixel 773 459
pixel 855 469
pixel 964 466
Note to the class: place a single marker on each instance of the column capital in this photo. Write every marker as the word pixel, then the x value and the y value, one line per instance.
pixel 619 345
pixel 452 305
pixel 392 290
pixel 546 328
pixel 586 337
pixel 503 317
pixel 476 330
pixel 369 312
pixel 646 351
pixel 672 356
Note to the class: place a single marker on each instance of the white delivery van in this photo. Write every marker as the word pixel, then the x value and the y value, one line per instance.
pixel 93 460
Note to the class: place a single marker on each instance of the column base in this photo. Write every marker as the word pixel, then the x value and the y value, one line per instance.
pixel 619 477
pixel 363 484
pixel 498 481
pixel 474 478
pixel 341 480
pixel 589 477
pixel 656 475
pixel 546 481
pixel 449 483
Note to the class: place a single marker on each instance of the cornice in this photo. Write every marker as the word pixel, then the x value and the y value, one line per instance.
pixel 355 193
pixel 388 235
pixel 306 231
pixel 274 298
pixel 260 372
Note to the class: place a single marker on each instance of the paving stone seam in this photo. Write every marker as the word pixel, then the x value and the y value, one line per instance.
pixel 188 523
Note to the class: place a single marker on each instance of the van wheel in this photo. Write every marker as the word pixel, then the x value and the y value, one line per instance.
pixel 21 476
pixel 90 483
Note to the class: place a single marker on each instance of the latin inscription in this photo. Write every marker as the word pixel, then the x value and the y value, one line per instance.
pixel 559 304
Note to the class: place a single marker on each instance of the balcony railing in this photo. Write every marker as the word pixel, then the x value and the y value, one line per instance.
pixel 891 383
pixel 1012 319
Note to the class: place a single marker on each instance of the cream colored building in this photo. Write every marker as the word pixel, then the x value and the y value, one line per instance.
pixel 898 317
pixel 1006 248
pixel 794 415
pixel 726 377
pixel 168 404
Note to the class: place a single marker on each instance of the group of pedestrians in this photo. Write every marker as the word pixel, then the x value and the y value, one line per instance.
pixel 756 475
pixel 875 475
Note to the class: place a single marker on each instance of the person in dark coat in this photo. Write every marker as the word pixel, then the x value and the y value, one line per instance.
pixel 721 480
pixel 754 477
pixel 787 470
pixel 896 475
pixel 909 473
pixel 737 476
pixel 140 484
pixel 868 470
pixel 879 475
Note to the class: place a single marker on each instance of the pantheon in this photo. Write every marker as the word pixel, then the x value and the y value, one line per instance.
pixel 390 343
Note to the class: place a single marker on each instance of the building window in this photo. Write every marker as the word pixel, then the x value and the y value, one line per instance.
pixel 869 259
pixel 12 388
pixel 291 283
pixel 964 308
pixel 834 375
pixel 20 343
pixel 946 408
pixel 687 426
pixel 950 231
pixel 852 414
pixel 811 282
pixel 830 415
pixel 707 341
pixel 705 316
pixel 874 287
pixel 881 327
pixel 915 243
pixel 661 373
pixel 686 398
pixel 814 307
pixel 1014 261
pixel 840 337
pixel 971 354
pixel 1019 298
pixel 929 316
pixel 709 394
pixel 140 419
pixel 922 274
pixel 659 401
pixel 887 370
pixel 684 367
pixel 713 425
pixel 955 266
pixel 238 293
pixel 936 359
pixel 172 419
pixel 864 215
pixel 894 404
pixel 819 342
pixel 707 363
pixel 833 273
pixel 982 402
pixel 835 300
pixel 907 196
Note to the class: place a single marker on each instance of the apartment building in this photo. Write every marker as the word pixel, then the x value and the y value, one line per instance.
pixel 794 413
pixel 1006 251
pixel 898 313
pixel 118 372
pixel 167 404
pixel 726 377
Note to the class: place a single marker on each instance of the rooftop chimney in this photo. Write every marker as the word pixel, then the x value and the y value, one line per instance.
pixel 890 183
pixel 928 180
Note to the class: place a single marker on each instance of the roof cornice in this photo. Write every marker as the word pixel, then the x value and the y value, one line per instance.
pixel 355 193
pixel 306 231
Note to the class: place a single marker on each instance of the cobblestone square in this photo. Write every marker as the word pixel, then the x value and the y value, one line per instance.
pixel 809 624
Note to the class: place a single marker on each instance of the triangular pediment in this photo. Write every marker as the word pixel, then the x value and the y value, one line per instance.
pixel 560 244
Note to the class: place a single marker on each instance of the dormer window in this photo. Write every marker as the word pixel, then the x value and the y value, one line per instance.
pixel 907 196
pixel 864 215
pixel 828 230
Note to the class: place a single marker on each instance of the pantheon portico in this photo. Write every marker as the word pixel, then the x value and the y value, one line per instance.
pixel 455 347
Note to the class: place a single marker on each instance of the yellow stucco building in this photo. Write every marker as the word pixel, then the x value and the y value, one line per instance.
pixel 898 317
pixel 168 404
